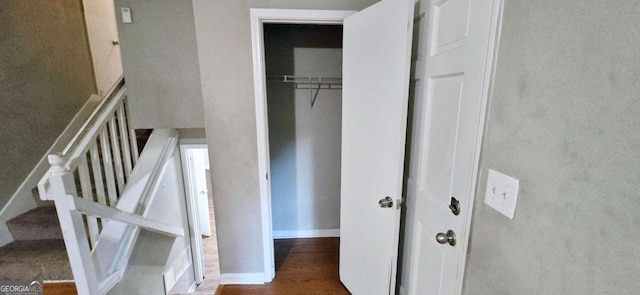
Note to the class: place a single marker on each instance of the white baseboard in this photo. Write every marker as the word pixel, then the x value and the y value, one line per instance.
pixel 192 288
pixel 309 233
pixel 250 278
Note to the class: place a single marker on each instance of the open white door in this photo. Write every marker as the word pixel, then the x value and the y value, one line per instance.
pixel 199 163
pixel 376 60
pixel 461 40
pixel 186 155
pixel 100 17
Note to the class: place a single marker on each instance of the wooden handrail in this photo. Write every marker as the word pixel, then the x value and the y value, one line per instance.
pixel 79 146
pixel 92 118
pixel 106 121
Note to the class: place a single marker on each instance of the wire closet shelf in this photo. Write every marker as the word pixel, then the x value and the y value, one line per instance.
pixel 308 82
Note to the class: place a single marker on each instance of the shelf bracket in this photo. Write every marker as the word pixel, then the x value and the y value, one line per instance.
pixel 313 100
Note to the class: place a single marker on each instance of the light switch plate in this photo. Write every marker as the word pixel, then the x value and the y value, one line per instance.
pixel 126 15
pixel 502 193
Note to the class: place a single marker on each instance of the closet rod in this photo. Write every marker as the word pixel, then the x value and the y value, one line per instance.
pixel 307 79
pixel 310 83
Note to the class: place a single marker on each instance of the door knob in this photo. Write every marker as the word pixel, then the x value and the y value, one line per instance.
pixel 387 202
pixel 449 237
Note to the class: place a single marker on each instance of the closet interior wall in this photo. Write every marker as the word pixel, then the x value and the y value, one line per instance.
pixel 304 140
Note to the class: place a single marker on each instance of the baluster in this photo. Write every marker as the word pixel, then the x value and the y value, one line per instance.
pixel 132 134
pixel 124 140
pixel 97 173
pixel 108 168
pixel 85 186
pixel 134 145
pixel 117 158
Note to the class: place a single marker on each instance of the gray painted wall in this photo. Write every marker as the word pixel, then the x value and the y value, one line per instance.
pixel 304 141
pixel 192 134
pixel 564 119
pixel 46 75
pixel 224 49
pixel 160 61
pixel 154 253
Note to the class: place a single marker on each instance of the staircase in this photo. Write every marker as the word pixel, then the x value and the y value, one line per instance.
pixel 92 203
pixel 38 251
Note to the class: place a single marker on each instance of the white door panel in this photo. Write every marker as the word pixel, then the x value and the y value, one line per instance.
pixel 450 25
pixel 456 76
pixel 100 17
pixel 376 58
pixel 443 110
pixel 199 160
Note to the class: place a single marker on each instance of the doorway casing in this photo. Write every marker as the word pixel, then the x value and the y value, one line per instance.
pixel 258 18
pixel 192 210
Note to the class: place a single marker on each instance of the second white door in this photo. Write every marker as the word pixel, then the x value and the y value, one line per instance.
pixel 376 58
pixel 199 163
pixel 458 65
pixel 100 17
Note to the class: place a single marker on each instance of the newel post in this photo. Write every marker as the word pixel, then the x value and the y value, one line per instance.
pixel 61 179
pixel 62 188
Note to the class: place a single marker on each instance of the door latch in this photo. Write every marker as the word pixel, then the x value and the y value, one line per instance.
pixel 455 206
pixel 387 202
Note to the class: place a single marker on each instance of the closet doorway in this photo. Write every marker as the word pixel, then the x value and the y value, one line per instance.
pixel 303 66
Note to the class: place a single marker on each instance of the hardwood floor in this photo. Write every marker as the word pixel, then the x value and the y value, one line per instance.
pixel 303 266
pixel 66 288
pixel 210 245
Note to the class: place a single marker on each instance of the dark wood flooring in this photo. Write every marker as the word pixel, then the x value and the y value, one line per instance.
pixel 303 266
pixel 210 244
pixel 65 288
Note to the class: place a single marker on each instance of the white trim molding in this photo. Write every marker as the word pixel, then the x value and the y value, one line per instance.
pixel 249 278
pixel 491 59
pixel 309 233
pixel 192 288
pixel 192 211
pixel 259 17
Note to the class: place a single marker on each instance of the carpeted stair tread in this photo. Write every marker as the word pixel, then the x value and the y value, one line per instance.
pixel 40 223
pixel 39 201
pixel 35 260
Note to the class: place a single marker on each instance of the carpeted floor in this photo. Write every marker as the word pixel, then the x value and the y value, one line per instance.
pixel 38 251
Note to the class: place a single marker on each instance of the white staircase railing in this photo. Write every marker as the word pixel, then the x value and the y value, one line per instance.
pixel 100 215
